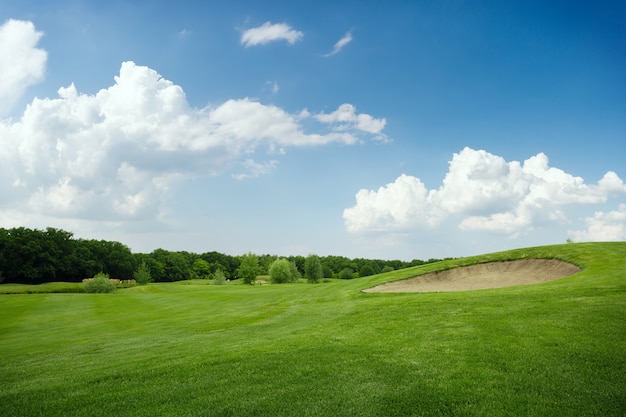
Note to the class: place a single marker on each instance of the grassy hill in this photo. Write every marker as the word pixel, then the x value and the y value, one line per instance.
pixel 191 349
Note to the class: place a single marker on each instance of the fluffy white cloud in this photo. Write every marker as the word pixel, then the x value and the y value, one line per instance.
pixel 116 154
pixel 22 64
pixel 346 39
pixel 270 32
pixel 346 118
pixel 399 205
pixel 604 227
pixel 486 192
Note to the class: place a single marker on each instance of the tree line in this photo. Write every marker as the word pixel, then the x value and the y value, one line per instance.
pixel 32 256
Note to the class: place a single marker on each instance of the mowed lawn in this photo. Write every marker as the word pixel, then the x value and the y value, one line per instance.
pixel 191 349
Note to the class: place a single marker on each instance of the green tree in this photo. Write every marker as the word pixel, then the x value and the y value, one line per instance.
pixel 282 271
pixel 142 274
pixel 176 265
pixel 313 269
pixel 327 272
pixel 218 277
pixel 346 273
pixel 366 270
pixel 201 269
pixel 295 272
pixel 248 268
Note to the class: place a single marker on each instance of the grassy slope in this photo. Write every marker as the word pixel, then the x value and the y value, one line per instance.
pixel 195 350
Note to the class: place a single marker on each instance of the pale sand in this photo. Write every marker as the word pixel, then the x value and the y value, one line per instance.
pixel 481 276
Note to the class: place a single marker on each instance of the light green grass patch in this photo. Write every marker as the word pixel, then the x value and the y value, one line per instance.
pixel 48 287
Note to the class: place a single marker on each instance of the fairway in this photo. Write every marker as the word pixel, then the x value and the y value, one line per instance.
pixel 330 349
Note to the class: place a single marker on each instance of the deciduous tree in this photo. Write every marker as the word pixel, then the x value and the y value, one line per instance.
pixel 142 274
pixel 248 268
pixel 313 269
pixel 201 269
pixel 282 271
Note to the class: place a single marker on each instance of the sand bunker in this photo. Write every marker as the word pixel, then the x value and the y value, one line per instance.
pixel 481 276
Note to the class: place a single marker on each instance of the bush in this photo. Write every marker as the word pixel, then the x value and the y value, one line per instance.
pixel 219 278
pixel 366 270
pixel 282 271
pixel 346 273
pixel 100 283
pixel 327 272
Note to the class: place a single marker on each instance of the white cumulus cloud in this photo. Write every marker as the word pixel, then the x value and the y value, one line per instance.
pixel 116 154
pixel 402 204
pixel 346 39
pixel 346 117
pixel 270 32
pixel 22 64
pixel 604 227
pixel 485 192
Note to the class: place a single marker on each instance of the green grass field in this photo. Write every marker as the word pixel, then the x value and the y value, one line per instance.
pixel 191 349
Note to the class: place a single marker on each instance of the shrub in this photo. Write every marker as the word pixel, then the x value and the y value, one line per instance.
pixel 100 283
pixel 282 271
pixel 366 270
pixel 327 272
pixel 219 278
pixel 346 273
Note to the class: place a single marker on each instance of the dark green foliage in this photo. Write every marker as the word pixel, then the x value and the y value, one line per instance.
pixel 228 264
pixel 100 283
pixel 173 266
pixel 346 273
pixel 313 269
pixel 142 274
pixel 35 256
pixel 327 272
pixel 298 262
pixel 248 268
pixel 366 270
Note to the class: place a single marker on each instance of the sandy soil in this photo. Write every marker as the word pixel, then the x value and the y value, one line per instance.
pixel 481 276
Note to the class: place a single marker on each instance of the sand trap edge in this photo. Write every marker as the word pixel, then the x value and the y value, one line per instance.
pixel 498 274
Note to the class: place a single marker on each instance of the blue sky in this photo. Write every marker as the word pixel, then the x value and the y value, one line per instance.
pixel 396 130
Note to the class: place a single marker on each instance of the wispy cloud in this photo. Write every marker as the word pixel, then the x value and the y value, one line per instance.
pixel 255 169
pixel 272 86
pixel 270 32
pixel 183 33
pixel 347 38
